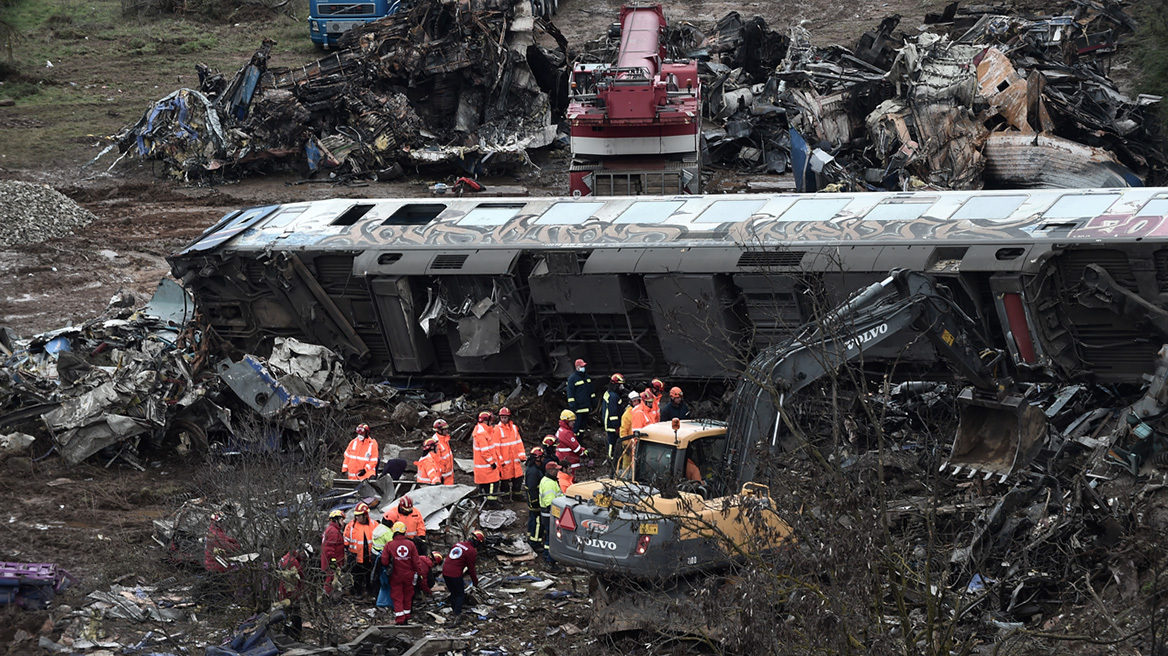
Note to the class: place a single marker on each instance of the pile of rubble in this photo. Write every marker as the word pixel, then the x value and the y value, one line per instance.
pixel 978 98
pixel 32 213
pixel 461 86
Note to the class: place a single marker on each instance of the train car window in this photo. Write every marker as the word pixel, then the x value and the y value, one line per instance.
pixel 649 211
pixel 900 210
pixel 729 211
pixel 565 213
pixel 415 214
pixel 285 216
pixel 491 214
pixel 1154 207
pixel 1080 206
pixel 352 215
pixel 989 207
pixel 815 209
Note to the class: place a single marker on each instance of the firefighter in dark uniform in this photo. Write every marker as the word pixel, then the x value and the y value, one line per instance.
pixel 581 395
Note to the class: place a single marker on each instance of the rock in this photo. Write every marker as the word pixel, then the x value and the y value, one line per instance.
pixel 32 213
pixel 19 465
pixel 406 415
pixel 16 443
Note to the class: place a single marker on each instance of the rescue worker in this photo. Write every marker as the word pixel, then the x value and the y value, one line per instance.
pixel 462 560
pixel 646 413
pixel 675 407
pixel 549 490
pixel 568 448
pixel 565 478
pixel 413 520
pixel 406 565
pixel 531 478
pixel 512 454
pixel 433 564
pixel 691 471
pixel 291 588
pixel 379 582
pixel 626 429
pixel 657 389
pixel 361 456
pixel 486 457
pixel 612 407
pixel 332 549
pixel 218 546
pixel 445 454
pixel 581 396
pixel 359 543
pixel 429 466
pixel 549 448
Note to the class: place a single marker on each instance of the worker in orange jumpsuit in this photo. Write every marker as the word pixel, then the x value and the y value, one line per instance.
pixel 406 513
pixel 445 454
pixel 512 454
pixel 486 457
pixel 359 543
pixel 657 389
pixel 429 466
pixel 646 413
pixel 361 456
pixel 406 565
pixel 565 478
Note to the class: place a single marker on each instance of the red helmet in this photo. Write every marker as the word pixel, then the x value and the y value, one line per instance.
pixel 536 451
pixel 361 509
pixel 657 384
pixel 504 412
pixel 552 466
pixel 647 396
pixel 436 557
pixel 430 444
pixel 439 424
pixel 484 416
pixel 406 505
pixel 363 429
pixel 617 378
pixel 549 440
pixel 478 536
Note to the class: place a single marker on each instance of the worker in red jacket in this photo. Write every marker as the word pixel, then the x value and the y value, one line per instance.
pixel 332 549
pixel 462 560
pixel 406 564
pixel 291 573
pixel 568 448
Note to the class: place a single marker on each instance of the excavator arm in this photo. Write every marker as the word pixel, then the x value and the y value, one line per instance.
pixel 906 300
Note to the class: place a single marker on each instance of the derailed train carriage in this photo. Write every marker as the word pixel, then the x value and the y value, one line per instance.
pixel 1072 282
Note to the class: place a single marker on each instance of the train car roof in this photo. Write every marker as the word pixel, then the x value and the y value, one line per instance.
pixel 746 221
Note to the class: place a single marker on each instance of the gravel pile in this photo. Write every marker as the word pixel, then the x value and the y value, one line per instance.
pixel 31 213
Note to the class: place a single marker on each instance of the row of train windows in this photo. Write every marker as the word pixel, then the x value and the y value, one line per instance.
pixel 820 208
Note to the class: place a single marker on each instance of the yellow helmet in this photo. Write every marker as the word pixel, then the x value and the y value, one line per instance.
pixel 399 527
pixel 567 415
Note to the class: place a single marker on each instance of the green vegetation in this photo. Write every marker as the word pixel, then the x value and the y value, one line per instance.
pixel 80 71
pixel 1151 49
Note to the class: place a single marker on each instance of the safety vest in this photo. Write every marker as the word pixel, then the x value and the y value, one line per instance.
pixel 486 453
pixel 381 536
pixel 445 459
pixel 510 450
pixel 361 454
pixel 549 490
pixel 428 473
pixel 359 538
pixel 565 479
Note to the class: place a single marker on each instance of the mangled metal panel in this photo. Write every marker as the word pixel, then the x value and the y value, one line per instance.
pixel 1044 161
pixel 712 347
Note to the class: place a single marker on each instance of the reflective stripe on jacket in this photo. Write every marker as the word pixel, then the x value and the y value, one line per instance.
pixel 549 490
pixel 415 523
pixel 359 538
pixel 361 454
pixel 445 459
pixel 428 469
pixel 486 453
pixel 510 450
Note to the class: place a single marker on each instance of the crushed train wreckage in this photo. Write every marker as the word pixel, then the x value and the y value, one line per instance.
pixel 439 85
pixel 977 99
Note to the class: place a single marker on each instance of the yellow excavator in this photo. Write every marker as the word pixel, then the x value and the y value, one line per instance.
pixel 689 502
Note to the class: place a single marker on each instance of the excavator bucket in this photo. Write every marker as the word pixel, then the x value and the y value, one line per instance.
pixel 996 436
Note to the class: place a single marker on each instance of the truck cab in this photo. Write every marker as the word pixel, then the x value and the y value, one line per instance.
pixel 329 19
pixel 669 512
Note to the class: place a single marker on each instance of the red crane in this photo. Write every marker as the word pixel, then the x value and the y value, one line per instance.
pixel 636 123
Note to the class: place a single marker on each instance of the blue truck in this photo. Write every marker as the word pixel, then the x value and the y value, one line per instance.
pixel 328 19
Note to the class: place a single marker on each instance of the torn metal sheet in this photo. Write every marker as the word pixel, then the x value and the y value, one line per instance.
pixel 1044 161
pixel 431 500
pixel 171 304
pixel 255 384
